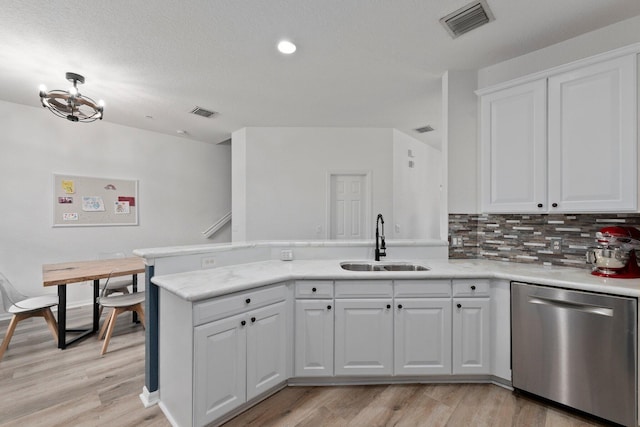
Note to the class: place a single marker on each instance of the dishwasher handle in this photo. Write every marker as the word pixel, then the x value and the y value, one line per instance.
pixel 585 308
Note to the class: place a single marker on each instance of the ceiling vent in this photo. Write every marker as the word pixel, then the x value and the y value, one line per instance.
pixel 199 111
pixel 424 129
pixel 467 18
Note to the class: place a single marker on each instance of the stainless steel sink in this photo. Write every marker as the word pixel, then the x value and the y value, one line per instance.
pixel 369 266
pixel 405 267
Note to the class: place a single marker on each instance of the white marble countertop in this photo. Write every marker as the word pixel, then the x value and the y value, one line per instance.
pixel 171 251
pixel 203 284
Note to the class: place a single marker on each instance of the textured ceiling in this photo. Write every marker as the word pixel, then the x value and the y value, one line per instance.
pixel 359 63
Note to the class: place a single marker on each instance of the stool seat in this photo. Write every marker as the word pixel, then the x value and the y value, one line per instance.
pixel 119 304
pixel 122 300
pixel 23 307
pixel 35 303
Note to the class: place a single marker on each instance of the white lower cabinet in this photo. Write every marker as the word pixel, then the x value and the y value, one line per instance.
pixel 237 358
pixel 220 363
pixel 364 336
pixel 220 354
pixel 266 349
pixel 471 336
pixel 314 338
pixel 422 341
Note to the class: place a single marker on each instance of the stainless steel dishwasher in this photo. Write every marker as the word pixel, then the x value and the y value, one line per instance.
pixel 576 348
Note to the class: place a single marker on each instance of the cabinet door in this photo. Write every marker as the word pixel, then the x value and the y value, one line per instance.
pixel 266 348
pixel 364 337
pixel 422 336
pixel 314 338
pixel 219 368
pixel 513 154
pixel 592 137
pixel 471 336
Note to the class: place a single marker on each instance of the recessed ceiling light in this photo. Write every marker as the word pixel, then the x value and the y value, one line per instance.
pixel 182 132
pixel 286 47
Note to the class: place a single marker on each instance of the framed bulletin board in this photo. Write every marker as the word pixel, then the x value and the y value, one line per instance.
pixel 86 201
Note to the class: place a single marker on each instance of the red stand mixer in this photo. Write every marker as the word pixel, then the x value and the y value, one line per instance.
pixel 615 255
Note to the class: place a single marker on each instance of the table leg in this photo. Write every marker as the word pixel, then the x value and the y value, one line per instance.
pixel 62 316
pixel 96 306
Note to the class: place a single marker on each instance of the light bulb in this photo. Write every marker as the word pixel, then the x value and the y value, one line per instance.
pixel 101 103
pixel 42 88
pixel 73 91
pixel 286 47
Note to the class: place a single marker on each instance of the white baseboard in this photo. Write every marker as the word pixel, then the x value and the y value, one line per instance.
pixel 149 398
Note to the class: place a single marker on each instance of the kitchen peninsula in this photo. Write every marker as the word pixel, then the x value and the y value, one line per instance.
pixel 230 336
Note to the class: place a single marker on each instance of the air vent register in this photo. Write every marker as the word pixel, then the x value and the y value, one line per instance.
pixel 467 18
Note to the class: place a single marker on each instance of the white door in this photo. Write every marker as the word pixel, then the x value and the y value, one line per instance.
pixel 364 337
pixel 471 336
pixel 220 361
pixel 348 206
pixel 422 336
pixel 266 348
pixel 514 156
pixel 314 338
pixel 592 137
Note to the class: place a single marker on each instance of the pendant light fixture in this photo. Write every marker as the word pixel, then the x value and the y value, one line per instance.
pixel 70 104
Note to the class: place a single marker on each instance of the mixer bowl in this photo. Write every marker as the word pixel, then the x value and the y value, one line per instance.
pixel 608 258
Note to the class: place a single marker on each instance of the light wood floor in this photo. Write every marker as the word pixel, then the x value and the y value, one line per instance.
pixel 43 386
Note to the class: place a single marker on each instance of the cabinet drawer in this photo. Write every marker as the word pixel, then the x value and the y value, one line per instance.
pixel 363 288
pixel 217 308
pixel 314 289
pixel 471 288
pixel 422 288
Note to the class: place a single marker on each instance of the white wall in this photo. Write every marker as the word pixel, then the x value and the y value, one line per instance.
pixel 461 112
pixel 416 190
pixel 184 187
pixel 286 177
pixel 239 186
pixel 602 40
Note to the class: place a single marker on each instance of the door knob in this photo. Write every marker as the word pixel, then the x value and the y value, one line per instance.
pixel 248 300
pixel 244 322
pixel 459 305
pixel 253 320
pixel 399 306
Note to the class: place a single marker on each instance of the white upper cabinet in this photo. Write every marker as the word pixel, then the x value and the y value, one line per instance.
pixel 592 137
pixel 514 148
pixel 566 143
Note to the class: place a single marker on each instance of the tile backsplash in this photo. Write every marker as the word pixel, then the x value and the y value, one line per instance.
pixel 552 239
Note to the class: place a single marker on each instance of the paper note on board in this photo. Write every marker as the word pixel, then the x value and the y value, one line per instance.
pixel 131 200
pixel 68 186
pixel 92 204
pixel 70 216
pixel 121 208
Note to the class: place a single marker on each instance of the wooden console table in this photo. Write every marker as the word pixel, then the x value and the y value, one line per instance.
pixel 74 272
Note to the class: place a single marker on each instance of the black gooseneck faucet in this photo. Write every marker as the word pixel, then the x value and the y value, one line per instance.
pixel 380 248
